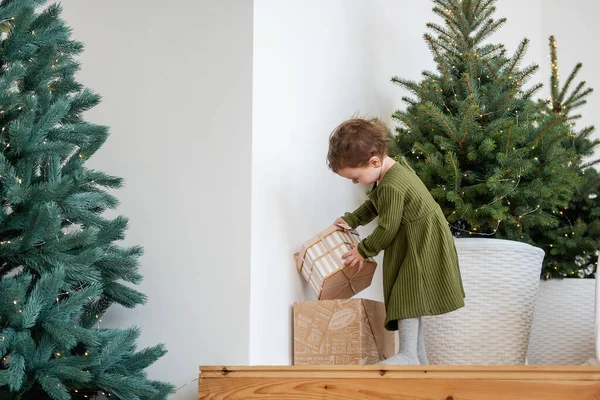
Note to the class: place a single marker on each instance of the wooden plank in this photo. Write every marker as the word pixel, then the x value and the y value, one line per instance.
pixel 352 382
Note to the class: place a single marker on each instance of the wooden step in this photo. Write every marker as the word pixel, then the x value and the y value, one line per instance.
pixel 436 382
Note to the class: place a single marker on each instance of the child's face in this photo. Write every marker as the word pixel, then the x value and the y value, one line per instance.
pixel 366 175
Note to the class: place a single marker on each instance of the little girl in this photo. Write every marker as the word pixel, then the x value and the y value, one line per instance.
pixel 420 265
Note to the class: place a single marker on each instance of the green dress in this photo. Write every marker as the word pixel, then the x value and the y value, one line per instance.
pixel 421 275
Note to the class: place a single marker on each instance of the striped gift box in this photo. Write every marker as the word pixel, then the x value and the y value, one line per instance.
pixel 320 263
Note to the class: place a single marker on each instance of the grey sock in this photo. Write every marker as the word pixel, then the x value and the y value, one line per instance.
pixel 421 353
pixel 408 332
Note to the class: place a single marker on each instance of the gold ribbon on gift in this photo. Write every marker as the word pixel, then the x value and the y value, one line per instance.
pixel 299 256
pixel 329 250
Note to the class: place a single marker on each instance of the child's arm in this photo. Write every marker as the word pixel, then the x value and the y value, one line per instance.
pixel 361 216
pixel 391 202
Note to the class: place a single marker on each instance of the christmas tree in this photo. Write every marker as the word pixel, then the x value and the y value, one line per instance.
pixel 60 264
pixel 572 245
pixel 492 156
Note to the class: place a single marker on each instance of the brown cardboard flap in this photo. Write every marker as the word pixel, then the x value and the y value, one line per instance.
pixel 368 268
pixel 339 279
pixel 358 285
pixel 345 290
pixel 299 261
pixel 336 332
pixel 375 315
pixel 352 272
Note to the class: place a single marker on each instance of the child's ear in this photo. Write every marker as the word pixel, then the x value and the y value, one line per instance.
pixel 375 162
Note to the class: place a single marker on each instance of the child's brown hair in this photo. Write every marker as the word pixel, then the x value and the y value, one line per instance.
pixel 355 141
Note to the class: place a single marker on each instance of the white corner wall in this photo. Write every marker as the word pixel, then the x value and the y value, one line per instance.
pixel 315 64
pixel 308 76
pixel 176 80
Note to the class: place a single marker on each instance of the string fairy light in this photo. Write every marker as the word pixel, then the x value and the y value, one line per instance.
pixel 474 232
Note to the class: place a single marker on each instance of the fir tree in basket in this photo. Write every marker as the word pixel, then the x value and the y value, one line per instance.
pixel 60 263
pixel 492 156
pixel 571 247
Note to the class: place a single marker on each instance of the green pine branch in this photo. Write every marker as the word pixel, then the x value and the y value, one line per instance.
pixel 61 266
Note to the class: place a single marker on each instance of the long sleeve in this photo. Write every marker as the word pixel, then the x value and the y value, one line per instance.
pixel 390 203
pixel 362 215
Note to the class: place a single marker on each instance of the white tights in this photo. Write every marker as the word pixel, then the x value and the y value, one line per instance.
pixel 412 344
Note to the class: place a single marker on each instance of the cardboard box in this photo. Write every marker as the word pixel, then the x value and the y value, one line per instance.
pixel 340 332
pixel 320 262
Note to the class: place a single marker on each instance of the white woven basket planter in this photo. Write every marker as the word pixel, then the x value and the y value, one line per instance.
pixel 501 279
pixel 563 323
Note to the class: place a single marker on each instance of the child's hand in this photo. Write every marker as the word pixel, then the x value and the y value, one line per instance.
pixel 341 225
pixel 353 256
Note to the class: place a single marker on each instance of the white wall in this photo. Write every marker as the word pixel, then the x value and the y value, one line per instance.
pixel 176 80
pixel 308 76
pixel 315 64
